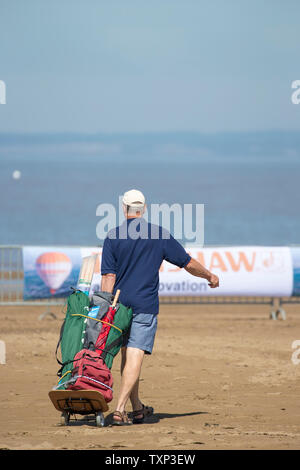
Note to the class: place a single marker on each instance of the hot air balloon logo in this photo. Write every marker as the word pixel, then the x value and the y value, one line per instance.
pixel 53 268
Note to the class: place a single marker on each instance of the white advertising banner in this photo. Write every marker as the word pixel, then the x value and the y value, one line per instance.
pixel 242 270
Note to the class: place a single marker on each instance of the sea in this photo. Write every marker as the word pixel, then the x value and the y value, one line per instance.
pixel 249 184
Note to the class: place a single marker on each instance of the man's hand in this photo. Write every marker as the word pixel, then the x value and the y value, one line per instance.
pixel 196 269
pixel 213 281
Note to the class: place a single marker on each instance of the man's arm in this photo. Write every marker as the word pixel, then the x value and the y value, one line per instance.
pixel 196 269
pixel 108 282
pixel 108 267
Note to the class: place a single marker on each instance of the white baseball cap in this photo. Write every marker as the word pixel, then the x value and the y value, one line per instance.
pixel 134 198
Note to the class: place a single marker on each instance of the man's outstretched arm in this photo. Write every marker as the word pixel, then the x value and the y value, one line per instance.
pixel 108 282
pixel 196 269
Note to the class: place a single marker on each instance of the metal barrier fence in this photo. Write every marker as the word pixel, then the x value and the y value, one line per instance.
pixel 12 284
pixel 12 279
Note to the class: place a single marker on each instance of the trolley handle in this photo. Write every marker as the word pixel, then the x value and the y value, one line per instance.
pixel 116 298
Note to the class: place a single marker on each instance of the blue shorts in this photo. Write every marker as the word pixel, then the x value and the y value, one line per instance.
pixel 142 332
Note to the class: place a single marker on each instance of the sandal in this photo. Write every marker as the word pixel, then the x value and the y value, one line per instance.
pixel 145 411
pixel 123 421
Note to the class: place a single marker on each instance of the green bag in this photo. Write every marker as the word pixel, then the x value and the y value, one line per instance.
pixel 72 333
pixel 114 341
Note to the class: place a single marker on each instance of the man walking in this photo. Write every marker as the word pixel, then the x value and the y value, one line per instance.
pixel 131 257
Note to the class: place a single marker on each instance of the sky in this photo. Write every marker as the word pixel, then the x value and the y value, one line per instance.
pixel 94 66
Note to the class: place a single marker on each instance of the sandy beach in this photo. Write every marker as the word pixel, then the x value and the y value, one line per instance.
pixel 220 377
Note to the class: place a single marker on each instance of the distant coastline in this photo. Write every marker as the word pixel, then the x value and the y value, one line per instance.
pixel 247 182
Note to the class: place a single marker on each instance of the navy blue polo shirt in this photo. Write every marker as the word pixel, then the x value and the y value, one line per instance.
pixel 134 252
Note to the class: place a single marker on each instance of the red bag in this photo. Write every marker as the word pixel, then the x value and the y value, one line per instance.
pixel 91 373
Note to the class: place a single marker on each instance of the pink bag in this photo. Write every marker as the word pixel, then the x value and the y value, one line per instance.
pixel 91 373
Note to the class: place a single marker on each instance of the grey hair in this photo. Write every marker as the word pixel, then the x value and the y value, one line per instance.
pixel 132 210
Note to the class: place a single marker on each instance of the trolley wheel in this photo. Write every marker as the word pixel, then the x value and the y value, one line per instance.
pixel 100 419
pixel 64 418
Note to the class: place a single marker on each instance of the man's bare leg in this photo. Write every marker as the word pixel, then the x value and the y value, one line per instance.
pixel 130 377
pixel 134 395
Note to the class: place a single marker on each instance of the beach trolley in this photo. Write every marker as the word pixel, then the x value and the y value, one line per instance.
pixel 71 403
pixel 90 337
pixel 85 402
